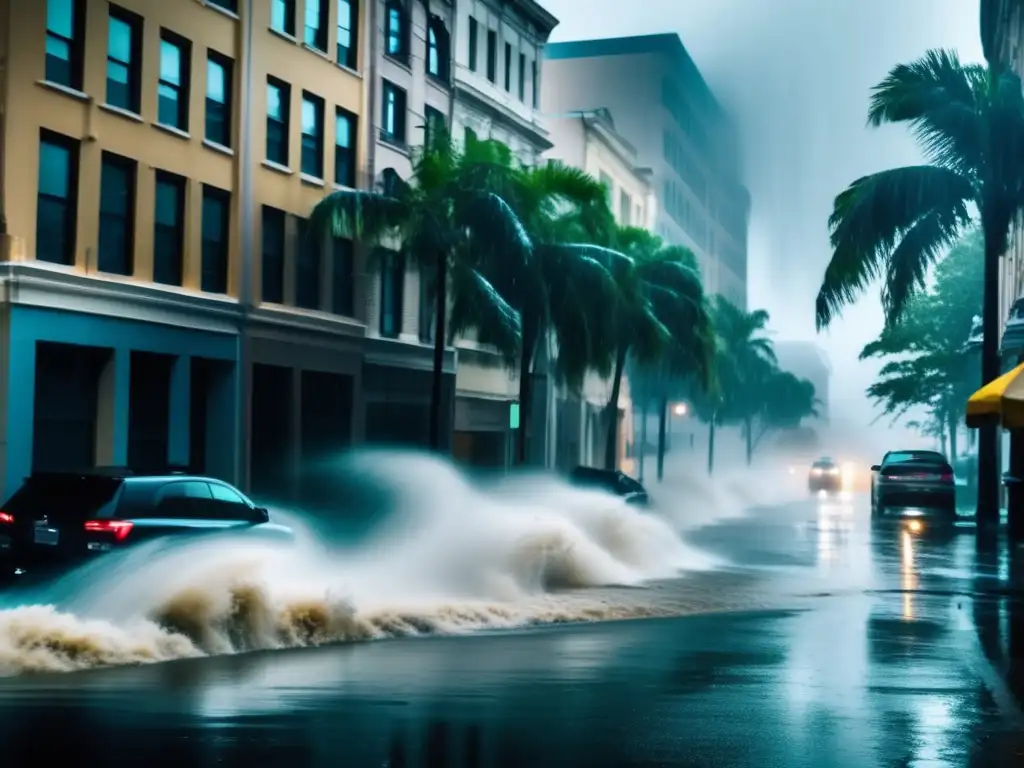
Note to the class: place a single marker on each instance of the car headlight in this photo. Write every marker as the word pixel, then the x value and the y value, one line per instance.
pixel 834 471
pixel 816 472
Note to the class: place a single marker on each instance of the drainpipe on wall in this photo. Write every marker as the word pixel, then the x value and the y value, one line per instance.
pixel 4 91
pixel 453 40
pixel 370 109
pixel 245 293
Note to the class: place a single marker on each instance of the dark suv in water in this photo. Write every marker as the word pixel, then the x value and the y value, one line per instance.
pixel 59 519
pixel 611 481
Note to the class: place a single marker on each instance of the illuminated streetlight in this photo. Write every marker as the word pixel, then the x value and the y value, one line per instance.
pixel 679 409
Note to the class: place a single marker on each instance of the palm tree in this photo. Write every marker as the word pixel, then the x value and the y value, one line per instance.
pixel 662 313
pixel 561 290
pixel 433 217
pixel 969 122
pixel 744 357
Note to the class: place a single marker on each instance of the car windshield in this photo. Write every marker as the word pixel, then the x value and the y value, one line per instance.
pixel 901 457
pixel 63 496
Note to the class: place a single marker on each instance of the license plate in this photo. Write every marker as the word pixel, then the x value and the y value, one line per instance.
pixel 44 534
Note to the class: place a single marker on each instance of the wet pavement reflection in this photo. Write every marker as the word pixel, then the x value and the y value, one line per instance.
pixel 872 647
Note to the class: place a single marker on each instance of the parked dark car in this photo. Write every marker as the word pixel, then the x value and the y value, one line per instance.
pixel 913 483
pixel 825 475
pixel 57 520
pixel 611 481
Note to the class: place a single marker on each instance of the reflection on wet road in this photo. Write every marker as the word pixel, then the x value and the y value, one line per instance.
pixel 873 648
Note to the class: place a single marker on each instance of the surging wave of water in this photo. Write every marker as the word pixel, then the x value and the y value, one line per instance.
pixel 449 557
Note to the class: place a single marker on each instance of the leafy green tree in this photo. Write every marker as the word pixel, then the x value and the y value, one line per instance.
pixel 433 217
pixel 927 366
pixel 969 123
pixel 785 400
pixel 662 316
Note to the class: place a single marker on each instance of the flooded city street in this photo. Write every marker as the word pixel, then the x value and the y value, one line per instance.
pixel 805 637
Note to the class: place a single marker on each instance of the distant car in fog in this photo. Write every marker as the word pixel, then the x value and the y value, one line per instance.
pixel 612 481
pixel 61 519
pixel 913 483
pixel 825 475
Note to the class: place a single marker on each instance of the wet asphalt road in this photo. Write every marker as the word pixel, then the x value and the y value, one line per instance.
pixel 868 648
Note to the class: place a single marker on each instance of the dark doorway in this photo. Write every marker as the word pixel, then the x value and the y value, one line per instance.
pixel 65 409
pixel 326 430
pixel 271 472
pixel 198 403
pixel 149 411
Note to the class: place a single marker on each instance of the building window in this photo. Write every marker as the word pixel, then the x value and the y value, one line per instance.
pixel 169 229
pixel 395 31
pixel 428 304
pixel 345 148
pixel 312 162
pixel 216 239
pixel 307 267
pixel 278 106
pixel 492 55
pixel 392 290
pixel 469 135
pixel 227 5
pixel 535 94
pixel 316 24
pixel 522 77
pixel 393 118
pixel 282 16
pixel 172 90
pixel 218 99
pixel 608 184
pixel 65 33
pixel 508 67
pixel 625 208
pixel 474 34
pixel 272 269
pixel 438 49
pixel 57 202
pixel 348 31
pixel 435 126
pixel 343 278
pixel 124 59
pixel 117 215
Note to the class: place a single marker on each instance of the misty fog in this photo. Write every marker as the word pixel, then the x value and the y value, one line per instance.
pixel 797 74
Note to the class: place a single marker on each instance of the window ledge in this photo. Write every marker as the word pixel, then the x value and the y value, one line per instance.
pixel 348 69
pixel 394 143
pixel 312 181
pixel 173 131
pixel 277 167
pixel 216 147
pixel 343 187
pixel 400 60
pixel 439 81
pixel 219 9
pixel 122 112
pixel 66 90
pixel 284 35
pixel 317 51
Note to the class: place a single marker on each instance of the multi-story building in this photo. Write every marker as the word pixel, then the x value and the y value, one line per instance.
pixel 588 140
pixel 411 98
pixel 664 108
pixel 159 300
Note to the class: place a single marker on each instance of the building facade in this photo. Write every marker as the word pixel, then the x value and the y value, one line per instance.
pixel 663 107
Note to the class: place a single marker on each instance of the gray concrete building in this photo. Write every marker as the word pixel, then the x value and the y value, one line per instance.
pixel 663 107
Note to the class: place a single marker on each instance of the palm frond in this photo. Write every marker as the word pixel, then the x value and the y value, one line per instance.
pixel 358 215
pixel 870 219
pixel 477 306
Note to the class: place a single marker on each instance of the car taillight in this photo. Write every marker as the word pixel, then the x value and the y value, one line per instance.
pixel 946 477
pixel 6 519
pixel 119 528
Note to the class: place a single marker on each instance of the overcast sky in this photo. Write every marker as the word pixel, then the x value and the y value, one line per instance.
pixel 797 74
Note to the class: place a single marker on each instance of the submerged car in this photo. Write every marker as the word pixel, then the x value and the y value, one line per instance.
pixel 825 475
pixel 58 520
pixel 913 484
pixel 611 481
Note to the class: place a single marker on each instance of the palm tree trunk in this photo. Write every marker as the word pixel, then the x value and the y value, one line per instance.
pixel 612 412
pixel 437 384
pixel 643 437
pixel 525 392
pixel 662 424
pixel 750 441
pixel 952 418
pixel 711 445
pixel 996 232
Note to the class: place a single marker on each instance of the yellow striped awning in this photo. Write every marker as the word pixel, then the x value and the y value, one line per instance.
pixel 999 402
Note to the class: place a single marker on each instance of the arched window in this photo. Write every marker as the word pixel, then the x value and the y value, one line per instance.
pixel 438 51
pixel 396 30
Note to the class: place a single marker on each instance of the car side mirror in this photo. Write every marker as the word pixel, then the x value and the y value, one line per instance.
pixel 261 515
pixel 876 467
